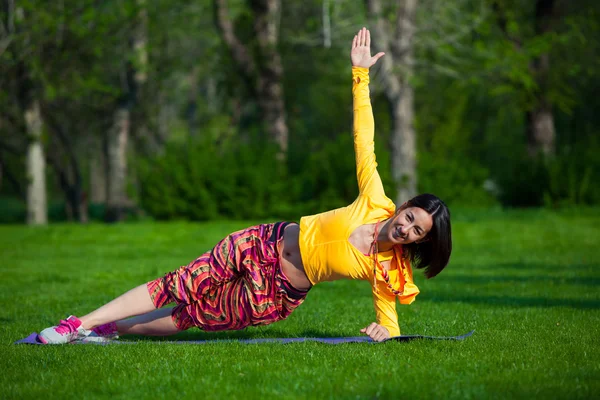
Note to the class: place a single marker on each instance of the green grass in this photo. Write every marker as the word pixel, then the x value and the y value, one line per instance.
pixel 526 281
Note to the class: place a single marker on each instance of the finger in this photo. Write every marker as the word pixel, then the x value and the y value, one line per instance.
pixel 368 38
pixel 363 330
pixel 354 41
pixel 374 327
pixel 376 335
pixel 359 43
pixel 371 328
pixel 364 36
pixel 376 58
pixel 376 332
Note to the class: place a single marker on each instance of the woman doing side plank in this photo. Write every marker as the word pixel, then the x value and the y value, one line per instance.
pixel 259 275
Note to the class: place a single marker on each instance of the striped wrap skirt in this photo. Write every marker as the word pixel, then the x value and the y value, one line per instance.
pixel 239 283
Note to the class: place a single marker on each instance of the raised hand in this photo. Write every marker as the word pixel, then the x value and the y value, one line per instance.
pixel 361 50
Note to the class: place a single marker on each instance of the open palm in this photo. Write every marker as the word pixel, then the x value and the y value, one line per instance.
pixel 361 50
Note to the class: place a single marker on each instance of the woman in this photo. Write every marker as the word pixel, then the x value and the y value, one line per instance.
pixel 261 274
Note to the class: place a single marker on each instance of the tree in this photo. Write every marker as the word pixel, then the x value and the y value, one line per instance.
pixel 539 117
pixel 396 72
pixel 37 213
pixel 29 95
pixel 262 71
pixel 134 71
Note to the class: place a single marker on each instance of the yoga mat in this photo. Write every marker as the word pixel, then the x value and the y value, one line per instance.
pixel 33 339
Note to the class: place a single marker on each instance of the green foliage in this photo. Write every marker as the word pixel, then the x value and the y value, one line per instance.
pixel 572 176
pixel 12 210
pixel 328 177
pixel 456 181
pixel 204 180
pixel 329 174
pixel 563 180
pixel 447 166
pixel 207 180
pixel 473 80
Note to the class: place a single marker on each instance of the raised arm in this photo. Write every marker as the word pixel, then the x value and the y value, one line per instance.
pixel 364 125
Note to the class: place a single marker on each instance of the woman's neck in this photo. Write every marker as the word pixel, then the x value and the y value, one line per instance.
pixel 383 243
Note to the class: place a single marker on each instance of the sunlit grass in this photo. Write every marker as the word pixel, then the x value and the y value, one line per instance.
pixel 526 281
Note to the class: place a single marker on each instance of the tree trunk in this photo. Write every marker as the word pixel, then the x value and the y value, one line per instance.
pixel 37 207
pixel 540 131
pixel 76 197
pixel 404 148
pixel 118 136
pixel 540 120
pixel 326 24
pixel 98 169
pixel 270 101
pixel 269 85
pixel 396 70
pixel 37 213
pixel 264 76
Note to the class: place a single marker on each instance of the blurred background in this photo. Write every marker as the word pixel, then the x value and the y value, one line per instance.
pixel 212 109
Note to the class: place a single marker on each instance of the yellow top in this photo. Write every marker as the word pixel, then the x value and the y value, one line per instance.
pixel 327 253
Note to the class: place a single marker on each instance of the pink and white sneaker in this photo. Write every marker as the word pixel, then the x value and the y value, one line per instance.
pixel 69 330
pixel 102 333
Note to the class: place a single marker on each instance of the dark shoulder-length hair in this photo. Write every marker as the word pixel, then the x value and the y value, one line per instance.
pixel 432 252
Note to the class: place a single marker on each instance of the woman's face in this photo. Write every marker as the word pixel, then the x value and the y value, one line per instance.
pixel 410 225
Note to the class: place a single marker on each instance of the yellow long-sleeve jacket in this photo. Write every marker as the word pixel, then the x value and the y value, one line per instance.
pixel 326 252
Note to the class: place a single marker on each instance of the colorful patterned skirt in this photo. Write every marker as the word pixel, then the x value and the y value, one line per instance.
pixel 238 283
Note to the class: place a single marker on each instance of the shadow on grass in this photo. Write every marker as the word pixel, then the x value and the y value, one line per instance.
pixel 519 279
pixel 540 267
pixel 518 301
pixel 548 275
pixel 196 334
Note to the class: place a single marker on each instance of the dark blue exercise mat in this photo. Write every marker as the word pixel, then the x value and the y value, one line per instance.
pixel 33 339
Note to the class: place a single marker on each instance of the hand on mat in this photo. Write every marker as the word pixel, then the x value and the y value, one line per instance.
pixel 376 332
pixel 361 50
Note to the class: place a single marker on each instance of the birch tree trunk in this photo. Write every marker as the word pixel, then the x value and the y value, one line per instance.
pixel 396 70
pixel 118 137
pixel 540 131
pixel 37 208
pixel 404 147
pixel 37 213
pixel 326 24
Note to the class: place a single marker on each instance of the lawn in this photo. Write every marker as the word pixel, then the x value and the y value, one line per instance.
pixel 526 281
